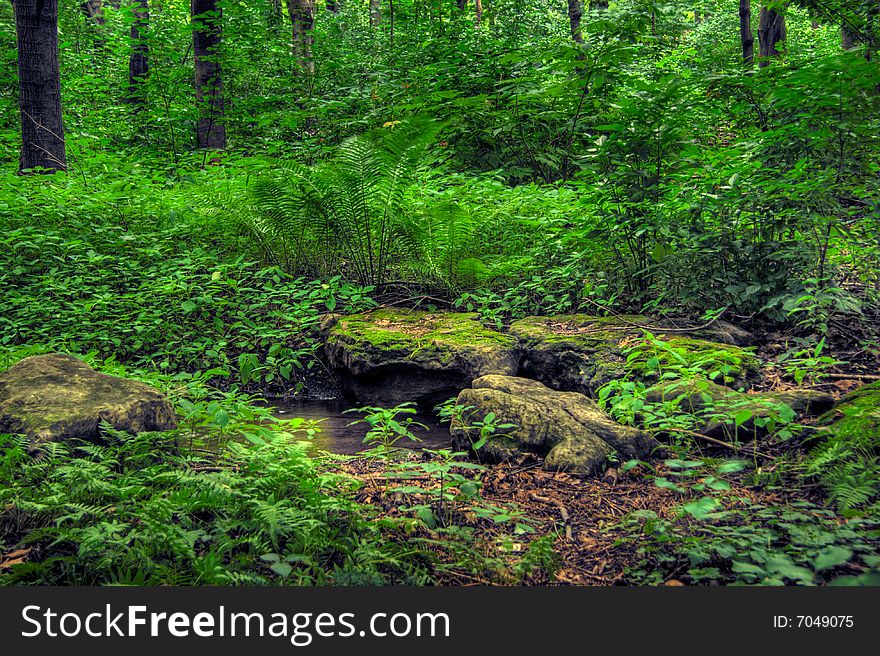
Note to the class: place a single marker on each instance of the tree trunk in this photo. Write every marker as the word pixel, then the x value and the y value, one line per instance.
pixel 771 30
pixel 302 18
pixel 478 12
pixel 94 9
pixel 39 83
pixel 848 39
pixel 462 5
pixel 746 37
pixel 207 20
pixel 574 18
pixel 138 61
pixel 375 13
pixel 332 6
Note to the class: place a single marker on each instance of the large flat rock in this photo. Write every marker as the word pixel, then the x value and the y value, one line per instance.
pixel 387 357
pixel 57 397
pixel 581 353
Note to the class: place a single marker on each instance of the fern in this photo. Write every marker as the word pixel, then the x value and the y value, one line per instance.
pixel 350 215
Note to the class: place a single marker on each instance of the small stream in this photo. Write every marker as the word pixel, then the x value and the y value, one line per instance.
pixel 337 435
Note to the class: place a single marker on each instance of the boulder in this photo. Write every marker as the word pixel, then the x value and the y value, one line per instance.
pixel 856 418
pixel 57 397
pixel 387 357
pixel 715 406
pixel 581 353
pixel 566 428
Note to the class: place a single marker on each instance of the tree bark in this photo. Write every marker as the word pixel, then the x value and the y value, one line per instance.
pixel 746 37
pixel 207 20
pixel 39 84
pixel 94 9
pixel 574 18
pixel 375 13
pixel 478 12
pixel 771 30
pixel 302 18
pixel 848 39
pixel 138 61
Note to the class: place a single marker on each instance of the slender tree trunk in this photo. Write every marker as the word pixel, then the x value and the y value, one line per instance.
pixel 94 9
pixel 138 61
pixel 39 84
pixel 848 39
pixel 375 13
pixel 478 12
pixel 462 5
pixel 332 6
pixel 574 18
pixel 207 20
pixel 302 18
pixel 771 30
pixel 746 37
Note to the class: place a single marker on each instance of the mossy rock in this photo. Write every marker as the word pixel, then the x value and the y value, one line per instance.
pixel 57 397
pixel 715 407
pixel 389 356
pixel 856 417
pixel 567 429
pixel 581 353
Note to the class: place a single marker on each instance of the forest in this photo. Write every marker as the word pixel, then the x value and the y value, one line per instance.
pixel 440 292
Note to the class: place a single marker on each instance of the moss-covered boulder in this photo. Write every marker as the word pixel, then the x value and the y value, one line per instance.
pixel 719 411
pixel 57 397
pixel 387 357
pixel 566 428
pixel 856 418
pixel 581 353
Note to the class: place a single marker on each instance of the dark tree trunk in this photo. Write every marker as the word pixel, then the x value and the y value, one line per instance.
pixel 138 61
pixel 848 38
pixel 207 20
pixel 478 12
pixel 574 18
pixel 39 83
pixel 746 37
pixel 771 30
pixel 332 6
pixel 462 5
pixel 302 18
pixel 94 9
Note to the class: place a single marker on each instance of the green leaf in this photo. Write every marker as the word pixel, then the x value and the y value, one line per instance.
pixel 832 557
pixel 282 568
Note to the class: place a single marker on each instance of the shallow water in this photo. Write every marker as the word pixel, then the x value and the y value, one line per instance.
pixel 337 435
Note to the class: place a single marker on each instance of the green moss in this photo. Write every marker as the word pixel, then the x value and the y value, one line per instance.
pixel 857 417
pixel 562 329
pixel 725 361
pixel 401 332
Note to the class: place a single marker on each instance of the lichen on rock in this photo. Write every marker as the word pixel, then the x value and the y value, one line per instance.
pixel 566 428
pixel 581 353
pixel 56 397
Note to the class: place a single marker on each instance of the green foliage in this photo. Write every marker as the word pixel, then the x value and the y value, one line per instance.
pixel 160 299
pixel 139 510
pixel 714 537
